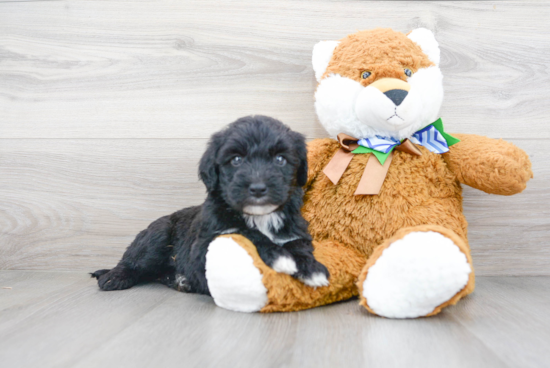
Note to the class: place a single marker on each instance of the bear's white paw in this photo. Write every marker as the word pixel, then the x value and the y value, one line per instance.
pixel 234 282
pixel 317 279
pixel 414 275
pixel 285 265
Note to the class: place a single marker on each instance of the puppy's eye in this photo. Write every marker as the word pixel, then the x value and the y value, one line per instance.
pixel 365 74
pixel 408 72
pixel 237 161
pixel 280 160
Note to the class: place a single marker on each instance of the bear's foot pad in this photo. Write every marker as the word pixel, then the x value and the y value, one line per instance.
pixel 414 275
pixel 233 280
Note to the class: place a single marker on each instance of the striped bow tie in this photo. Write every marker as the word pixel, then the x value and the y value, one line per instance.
pixel 428 137
pixel 433 137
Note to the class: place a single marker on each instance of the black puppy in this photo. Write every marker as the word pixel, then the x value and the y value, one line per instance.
pixel 254 171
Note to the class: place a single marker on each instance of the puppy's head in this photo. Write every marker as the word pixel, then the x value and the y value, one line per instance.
pixel 254 164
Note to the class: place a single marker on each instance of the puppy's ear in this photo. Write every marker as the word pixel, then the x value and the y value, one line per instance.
pixel 208 168
pixel 301 150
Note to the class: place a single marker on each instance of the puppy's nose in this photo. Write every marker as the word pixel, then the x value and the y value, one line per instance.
pixel 396 95
pixel 257 189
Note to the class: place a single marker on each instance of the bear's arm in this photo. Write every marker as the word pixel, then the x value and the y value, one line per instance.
pixel 491 165
pixel 319 153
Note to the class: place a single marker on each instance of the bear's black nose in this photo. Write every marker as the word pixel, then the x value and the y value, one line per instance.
pixel 396 95
pixel 257 189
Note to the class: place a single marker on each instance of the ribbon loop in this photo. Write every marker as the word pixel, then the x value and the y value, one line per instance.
pixel 409 147
pixel 347 142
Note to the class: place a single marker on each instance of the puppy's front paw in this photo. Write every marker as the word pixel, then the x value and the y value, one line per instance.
pixel 115 279
pixel 285 264
pixel 279 259
pixel 314 275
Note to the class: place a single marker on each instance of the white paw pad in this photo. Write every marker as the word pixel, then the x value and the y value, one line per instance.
pixel 233 280
pixel 414 275
pixel 316 280
pixel 285 265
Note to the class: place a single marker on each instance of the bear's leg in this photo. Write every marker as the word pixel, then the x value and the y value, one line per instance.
pixel 416 273
pixel 239 280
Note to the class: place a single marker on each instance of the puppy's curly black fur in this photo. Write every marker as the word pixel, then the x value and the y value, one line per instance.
pixel 253 171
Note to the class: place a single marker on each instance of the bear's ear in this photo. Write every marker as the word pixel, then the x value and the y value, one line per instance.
pixel 425 39
pixel 322 53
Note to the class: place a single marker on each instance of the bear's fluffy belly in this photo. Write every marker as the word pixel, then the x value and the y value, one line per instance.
pixel 418 190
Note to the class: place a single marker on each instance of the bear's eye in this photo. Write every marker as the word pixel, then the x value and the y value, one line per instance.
pixel 280 160
pixel 408 72
pixel 237 161
pixel 365 75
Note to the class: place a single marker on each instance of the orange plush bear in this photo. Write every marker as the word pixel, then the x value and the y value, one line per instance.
pixel 384 198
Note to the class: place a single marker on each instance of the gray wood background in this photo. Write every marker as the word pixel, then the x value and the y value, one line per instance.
pixel 105 108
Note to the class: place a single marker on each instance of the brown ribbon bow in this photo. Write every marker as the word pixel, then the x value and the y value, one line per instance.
pixel 374 173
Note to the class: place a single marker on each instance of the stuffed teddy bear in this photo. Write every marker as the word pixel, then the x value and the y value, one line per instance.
pixel 383 196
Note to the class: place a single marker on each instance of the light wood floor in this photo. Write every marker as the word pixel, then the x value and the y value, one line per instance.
pixel 61 319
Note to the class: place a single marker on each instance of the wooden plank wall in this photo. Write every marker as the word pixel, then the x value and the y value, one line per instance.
pixel 105 108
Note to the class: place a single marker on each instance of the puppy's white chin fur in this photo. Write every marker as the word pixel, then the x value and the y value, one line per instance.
pixel 258 210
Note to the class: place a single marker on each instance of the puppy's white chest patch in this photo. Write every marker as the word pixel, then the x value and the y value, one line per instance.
pixel 268 225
